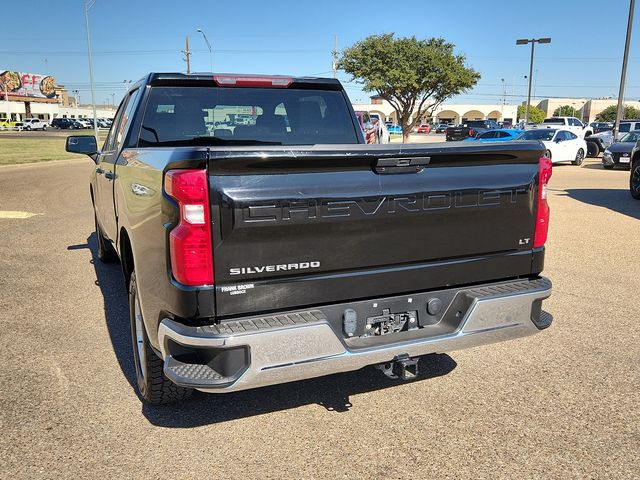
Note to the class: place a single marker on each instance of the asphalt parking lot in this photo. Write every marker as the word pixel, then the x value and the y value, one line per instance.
pixel 561 404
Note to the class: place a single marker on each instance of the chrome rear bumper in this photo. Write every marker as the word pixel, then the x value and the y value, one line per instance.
pixel 311 348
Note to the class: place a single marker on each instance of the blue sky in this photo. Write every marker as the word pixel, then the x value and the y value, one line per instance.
pixel 131 38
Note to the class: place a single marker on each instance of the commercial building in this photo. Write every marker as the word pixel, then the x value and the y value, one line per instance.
pixel 26 95
pixel 588 109
pixel 550 105
pixel 594 107
pixel 445 113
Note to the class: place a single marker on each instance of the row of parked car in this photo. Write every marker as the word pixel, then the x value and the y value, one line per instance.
pixel 565 138
pixel 29 124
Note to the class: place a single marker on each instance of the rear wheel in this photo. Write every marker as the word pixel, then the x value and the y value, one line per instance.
pixel 153 385
pixel 579 157
pixel 634 180
pixel 592 149
pixel 44 127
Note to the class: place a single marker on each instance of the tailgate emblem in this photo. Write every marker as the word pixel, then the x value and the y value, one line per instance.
pixel 283 267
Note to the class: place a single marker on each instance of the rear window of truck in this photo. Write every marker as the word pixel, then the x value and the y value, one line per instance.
pixel 182 116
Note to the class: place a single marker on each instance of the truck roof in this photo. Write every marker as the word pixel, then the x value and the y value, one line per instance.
pixel 241 80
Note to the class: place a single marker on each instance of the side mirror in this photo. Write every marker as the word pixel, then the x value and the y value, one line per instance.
pixel 85 144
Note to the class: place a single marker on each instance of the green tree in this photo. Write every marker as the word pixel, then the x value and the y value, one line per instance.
pixel 609 113
pixel 536 115
pixel 414 76
pixel 566 111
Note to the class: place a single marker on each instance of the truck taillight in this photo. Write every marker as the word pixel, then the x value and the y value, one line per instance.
pixel 190 240
pixel 274 81
pixel 471 132
pixel 542 215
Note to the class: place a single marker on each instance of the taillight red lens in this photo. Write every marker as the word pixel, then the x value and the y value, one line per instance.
pixel 252 81
pixel 542 216
pixel 471 132
pixel 190 241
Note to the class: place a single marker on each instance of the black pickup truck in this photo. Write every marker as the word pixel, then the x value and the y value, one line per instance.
pixel 282 247
pixel 470 128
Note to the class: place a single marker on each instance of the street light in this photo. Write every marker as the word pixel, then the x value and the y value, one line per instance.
pixel 88 4
pixel 532 41
pixel 504 98
pixel 209 47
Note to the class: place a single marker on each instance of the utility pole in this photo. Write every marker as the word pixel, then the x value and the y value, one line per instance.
pixel 187 55
pixel 623 75
pixel 334 56
pixel 113 99
pixel 532 41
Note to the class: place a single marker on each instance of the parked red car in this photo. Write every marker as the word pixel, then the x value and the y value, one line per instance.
pixel 424 128
pixel 368 126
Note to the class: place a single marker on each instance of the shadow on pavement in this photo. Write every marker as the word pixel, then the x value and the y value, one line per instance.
pixel 614 199
pixel 332 392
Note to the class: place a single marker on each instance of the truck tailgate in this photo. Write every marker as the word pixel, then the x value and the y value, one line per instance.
pixel 297 227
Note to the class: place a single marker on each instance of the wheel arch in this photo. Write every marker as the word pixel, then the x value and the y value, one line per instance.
pixel 126 255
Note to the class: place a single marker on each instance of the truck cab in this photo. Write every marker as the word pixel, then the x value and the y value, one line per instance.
pixel 572 124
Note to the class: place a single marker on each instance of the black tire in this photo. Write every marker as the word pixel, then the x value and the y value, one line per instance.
pixel 153 385
pixel 579 157
pixel 28 128
pixel 607 167
pixel 44 128
pixel 634 180
pixel 106 252
pixel 592 150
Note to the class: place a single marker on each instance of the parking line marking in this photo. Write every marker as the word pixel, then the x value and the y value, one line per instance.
pixel 16 214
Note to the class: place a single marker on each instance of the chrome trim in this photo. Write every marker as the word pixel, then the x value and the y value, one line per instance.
pixel 305 351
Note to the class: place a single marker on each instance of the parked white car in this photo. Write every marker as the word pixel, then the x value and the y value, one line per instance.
pixel 34 124
pixel 383 132
pixel 84 122
pixel 561 145
pixel 571 124
pixel 383 136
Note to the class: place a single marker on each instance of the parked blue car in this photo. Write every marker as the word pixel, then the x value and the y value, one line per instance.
pixel 498 135
pixel 395 129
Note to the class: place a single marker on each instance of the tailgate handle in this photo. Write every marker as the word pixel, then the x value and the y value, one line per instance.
pixel 401 165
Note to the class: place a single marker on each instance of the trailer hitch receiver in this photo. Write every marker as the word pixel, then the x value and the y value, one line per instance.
pixel 403 367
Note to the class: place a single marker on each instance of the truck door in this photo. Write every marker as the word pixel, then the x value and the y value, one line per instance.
pixel 105 169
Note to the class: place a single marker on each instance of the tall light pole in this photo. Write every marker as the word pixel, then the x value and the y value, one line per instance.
pixel 209 47
pixel 88 4
pixel 504 98
pixel 623 75
pixel 532 41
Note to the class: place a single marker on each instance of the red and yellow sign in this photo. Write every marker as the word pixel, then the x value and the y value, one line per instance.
pixel 27 84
